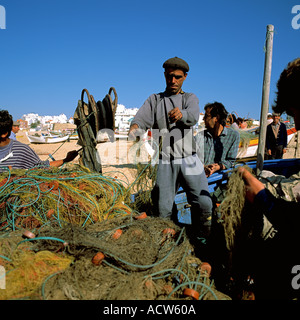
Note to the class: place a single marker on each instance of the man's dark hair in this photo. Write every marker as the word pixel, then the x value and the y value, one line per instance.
pixel 287 95
pixel 217 109
pixel 6 122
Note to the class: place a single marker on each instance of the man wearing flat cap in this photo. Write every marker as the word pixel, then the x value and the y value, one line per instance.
pixel 276 138
pixel 171 115
pixel 14 130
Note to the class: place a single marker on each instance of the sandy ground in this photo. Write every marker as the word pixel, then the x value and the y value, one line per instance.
pixel 293 149
pixel 117 158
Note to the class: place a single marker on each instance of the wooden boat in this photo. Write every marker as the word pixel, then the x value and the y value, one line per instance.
pixel 250 150
pixel 73 136
pixel 48 138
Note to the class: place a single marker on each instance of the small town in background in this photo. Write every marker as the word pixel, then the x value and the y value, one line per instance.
pixel 34 122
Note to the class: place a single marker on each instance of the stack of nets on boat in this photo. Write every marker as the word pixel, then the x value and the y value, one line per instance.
pixel 72 234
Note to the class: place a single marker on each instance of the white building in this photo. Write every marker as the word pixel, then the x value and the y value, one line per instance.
pixel 123 117
pixel 44 120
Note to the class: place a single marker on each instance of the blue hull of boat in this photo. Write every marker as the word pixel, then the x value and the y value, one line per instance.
pixel 285 167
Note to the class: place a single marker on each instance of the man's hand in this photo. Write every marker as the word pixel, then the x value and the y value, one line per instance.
pixel 253 185
pixel 132 132
pixel 269 152
pixel 212 168
pixel 71 155
pixel 175 115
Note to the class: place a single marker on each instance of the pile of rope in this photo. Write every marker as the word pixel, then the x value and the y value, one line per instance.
pixel 33 198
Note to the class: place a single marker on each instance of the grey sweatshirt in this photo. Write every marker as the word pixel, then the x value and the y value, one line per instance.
pixel 178 140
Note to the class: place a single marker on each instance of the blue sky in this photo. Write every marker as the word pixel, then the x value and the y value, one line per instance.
pixel 51 50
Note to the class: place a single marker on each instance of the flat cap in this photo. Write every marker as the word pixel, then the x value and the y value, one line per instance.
pixel 16 123
pixel 176 63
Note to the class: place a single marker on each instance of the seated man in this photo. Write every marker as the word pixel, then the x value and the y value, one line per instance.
pixel 17 155
pixel 220 144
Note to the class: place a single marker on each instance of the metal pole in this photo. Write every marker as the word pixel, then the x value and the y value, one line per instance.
pixel 265 99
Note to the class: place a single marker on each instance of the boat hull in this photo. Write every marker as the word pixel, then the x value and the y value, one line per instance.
pixel 46 139
pixel 285 167
pixel 251 150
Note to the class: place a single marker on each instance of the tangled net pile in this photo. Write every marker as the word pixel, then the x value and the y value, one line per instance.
pixel 33 198
pixel 74 216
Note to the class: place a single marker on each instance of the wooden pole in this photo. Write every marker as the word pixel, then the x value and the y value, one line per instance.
pixel 265 99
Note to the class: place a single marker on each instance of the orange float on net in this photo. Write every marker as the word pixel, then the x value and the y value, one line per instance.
pixel 98 258
pixel 117 234
pixel 167 288
pixel 206 268
pixel 149 284
pixel 191 293
pixel 54 184
pixel 28 234
pixel 169 232
pixel 141 216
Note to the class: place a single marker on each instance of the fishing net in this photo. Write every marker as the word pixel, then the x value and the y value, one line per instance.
pixel 144 154
pixel 232 206
pixel 151 259
pixel 26 270
pixel 75 214
pixel 32 198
